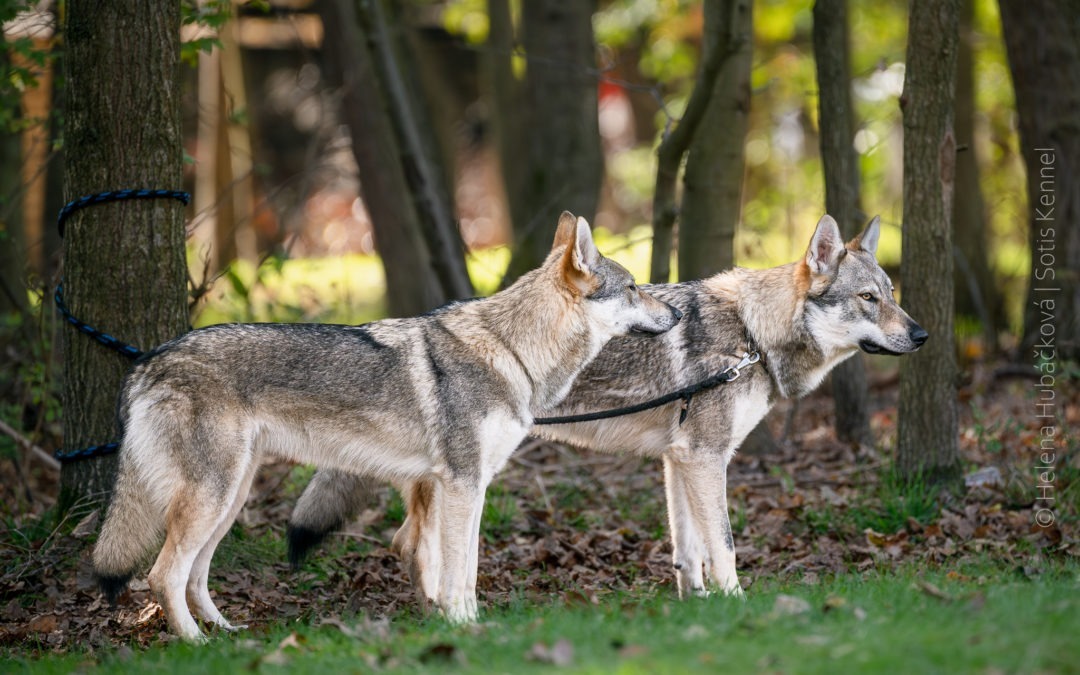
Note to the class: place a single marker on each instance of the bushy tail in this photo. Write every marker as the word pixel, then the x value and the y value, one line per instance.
pixel 331 499
pixel 133 527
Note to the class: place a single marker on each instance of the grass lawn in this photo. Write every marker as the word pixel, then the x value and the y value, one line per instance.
pixel 985 617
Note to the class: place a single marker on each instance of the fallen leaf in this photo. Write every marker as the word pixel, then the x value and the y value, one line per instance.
pixel 87 526
pixel 46 623
pixel 560 654
pixel 933 591
pixel 790 605
pixel 443 652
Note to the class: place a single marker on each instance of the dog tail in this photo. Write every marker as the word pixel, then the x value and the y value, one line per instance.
pixel 135 521
pixel 330 500
pixel 132 528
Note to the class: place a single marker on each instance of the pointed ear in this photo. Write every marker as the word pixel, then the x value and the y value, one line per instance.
pixel 868 239
pixel 566 230
pixel 580 260
pixel 826 247
pixel 584 252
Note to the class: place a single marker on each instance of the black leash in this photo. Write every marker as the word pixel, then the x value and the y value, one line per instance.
pixel 101 337
pixel 686 394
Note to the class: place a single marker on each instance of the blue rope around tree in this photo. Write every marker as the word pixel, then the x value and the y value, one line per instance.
pixel 102 337
pixel 116 196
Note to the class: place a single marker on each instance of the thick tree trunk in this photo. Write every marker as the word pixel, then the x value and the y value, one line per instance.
pixel 124 268
pixel 927 435
pixel 977 295
pixel 411 284
pixel 564 165
pixel 712 183
pixel 1042 39
pixel 840 165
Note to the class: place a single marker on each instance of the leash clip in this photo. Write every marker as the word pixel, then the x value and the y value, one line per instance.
pixel 748 359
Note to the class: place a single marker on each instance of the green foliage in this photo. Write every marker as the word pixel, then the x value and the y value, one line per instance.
pixel 21 59
pixel 209 14
pixel 894 503
pixel 500 512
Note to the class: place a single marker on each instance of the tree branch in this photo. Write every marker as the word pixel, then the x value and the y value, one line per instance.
pixel 45 458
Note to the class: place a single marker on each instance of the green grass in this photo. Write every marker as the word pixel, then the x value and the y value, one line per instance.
pixel 978 618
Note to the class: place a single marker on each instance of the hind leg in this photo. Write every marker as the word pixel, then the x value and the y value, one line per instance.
pixel 190 521
pixel 417 542
pixel 198 594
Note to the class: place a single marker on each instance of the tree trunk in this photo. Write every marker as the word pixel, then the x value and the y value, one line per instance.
pixel 411 284
pixel 977 295
pixel 430 181
pixel 927 434
pixel 504 93
pixel 1043 45
pixel 712 183
pixel 564 165
pixel 124 268
pixel 840 164
pixel 12 235
pixel 716 52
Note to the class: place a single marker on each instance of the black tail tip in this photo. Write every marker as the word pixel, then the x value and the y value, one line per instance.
pixel 302 540
pixel 113 587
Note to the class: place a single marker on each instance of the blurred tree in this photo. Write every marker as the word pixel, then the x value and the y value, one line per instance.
pixel 723 42
pixel 12 239
pixel 412 280
pixel 977 294
pixel 426 167
pixel 124 267
pixel 1042 39
pixel 562 166
pixel 505 95
pixel 840 165
pixel 712 182
pixel 927 428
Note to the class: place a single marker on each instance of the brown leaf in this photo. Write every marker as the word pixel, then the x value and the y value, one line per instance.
pixel 560 654
pixel 87 526
pixel 790 605
pixel 46 623
pixel 440 652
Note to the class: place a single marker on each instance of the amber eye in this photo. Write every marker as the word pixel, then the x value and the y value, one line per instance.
pixel 869 297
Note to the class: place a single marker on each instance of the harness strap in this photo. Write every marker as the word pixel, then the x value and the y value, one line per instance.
pixel 686 394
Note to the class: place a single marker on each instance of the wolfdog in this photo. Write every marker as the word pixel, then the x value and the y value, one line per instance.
pixel 442 399
pixel 800 319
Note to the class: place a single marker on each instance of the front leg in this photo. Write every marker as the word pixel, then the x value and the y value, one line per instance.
pixel 461 504
pixel 688 555
pixel 703 483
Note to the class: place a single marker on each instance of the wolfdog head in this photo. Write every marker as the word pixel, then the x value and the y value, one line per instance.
pixel 850 301
pixel 605 289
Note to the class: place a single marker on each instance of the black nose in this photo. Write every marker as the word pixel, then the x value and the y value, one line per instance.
pixel 675 311
pixel 918 335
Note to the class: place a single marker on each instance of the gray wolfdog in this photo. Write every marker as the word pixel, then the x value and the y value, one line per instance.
pixel 802 319
pixel 442 399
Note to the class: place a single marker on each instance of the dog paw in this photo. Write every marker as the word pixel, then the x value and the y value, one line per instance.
pixel 461 612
